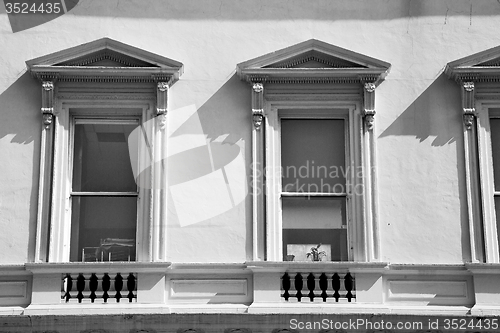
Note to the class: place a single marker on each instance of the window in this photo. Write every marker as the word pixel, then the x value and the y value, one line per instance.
pixel 479 80
pixel 313 168
pixel 104 107
pixel 313 186
pixel 104 194
pixel 495 150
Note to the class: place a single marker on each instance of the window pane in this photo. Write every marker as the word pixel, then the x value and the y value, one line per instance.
pixel 495 145
pixel 101 159
pixel 313 155
pixel 104 228
pixel 497 213
pixel 308 222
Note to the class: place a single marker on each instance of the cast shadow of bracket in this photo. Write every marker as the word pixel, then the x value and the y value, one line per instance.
pixel 21 121
pixel 435 113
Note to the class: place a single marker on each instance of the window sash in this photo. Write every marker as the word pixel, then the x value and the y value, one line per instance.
pixel 79 119
pixel 312 114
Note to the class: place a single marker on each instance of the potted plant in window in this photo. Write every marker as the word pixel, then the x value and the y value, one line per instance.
pixel 316 254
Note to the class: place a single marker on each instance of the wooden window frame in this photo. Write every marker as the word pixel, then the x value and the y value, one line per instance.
pixel 351 114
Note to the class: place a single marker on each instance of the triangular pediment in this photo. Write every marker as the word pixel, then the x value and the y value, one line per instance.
pixel 314 59
pixel 105 57
pixel 480 66
pixel 490 63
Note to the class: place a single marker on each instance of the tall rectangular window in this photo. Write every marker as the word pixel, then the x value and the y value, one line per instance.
pixel 495 147
pixel 103 192
pixel 314 189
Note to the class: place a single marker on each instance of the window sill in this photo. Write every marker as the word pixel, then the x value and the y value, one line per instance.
pixel 98 267
pixel 317 266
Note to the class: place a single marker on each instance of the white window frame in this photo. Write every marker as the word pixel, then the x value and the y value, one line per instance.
pixel 486 179
pixel 355 212
pixel 76 77
pixel 60 231
pixel 342 78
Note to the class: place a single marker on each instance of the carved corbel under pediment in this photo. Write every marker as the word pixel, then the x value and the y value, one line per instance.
pixel 162 102
pixel 47 103
pixel 469 111
pixel 369 105
pixel 257 104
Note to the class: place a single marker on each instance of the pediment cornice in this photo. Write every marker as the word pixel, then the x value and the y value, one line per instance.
pixel 313 61
pixel 479 67
pixel 105 60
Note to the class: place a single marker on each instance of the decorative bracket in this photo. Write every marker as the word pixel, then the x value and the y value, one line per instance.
pixel 162 102
pixel 47 103
pixel 258 104
pixel 369 105
pixel 469 111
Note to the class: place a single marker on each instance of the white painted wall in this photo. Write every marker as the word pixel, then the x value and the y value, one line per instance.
pixel 418 123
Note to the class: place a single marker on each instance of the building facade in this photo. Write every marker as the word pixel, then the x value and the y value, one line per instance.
pixel 251 167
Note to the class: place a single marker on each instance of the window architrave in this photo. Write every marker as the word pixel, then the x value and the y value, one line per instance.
pixel 486 178
pixel 103 74
pixel 310 72
pixel 351 113
pixel 61 207
pixel 478 76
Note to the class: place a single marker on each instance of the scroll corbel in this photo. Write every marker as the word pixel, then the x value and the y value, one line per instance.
pixel 162 103
pixel 47 103
pixel 469 112
pixel 257 104
pixel 369 105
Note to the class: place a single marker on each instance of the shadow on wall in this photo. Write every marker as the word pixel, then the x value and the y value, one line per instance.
pixel 437 113
pixel 209 151
pixel 17 104
pixel 286 10
pixel 20 118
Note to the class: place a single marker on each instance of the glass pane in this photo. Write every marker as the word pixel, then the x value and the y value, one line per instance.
pixel 308 222
pixel 101 159
pixel 313 155
pixel 103 228
pixel 497 213
pixel 495 146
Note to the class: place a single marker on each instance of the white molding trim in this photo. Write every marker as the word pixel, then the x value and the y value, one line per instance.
pixel 364 230
pixel 60 231
pixel 486 181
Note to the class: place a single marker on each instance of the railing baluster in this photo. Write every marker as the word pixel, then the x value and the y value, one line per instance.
pixel 310 286
pixel 286 285
pixel 323 285
pixel 348 283
pixel 118 286
pixel 130 287
pixel 68 286
pixel 336 286
pixel 93 284
pixel 80 286
pixel 298 286
pixel 106 283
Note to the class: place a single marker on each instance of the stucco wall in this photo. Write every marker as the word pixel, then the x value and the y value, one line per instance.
pixel 422 202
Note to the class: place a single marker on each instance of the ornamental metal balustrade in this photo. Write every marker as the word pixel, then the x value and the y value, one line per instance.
pixel 319 287
pixel 98 288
